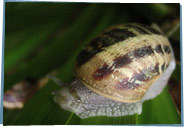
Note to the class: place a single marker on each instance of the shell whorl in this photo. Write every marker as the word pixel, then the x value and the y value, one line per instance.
pixel 124 61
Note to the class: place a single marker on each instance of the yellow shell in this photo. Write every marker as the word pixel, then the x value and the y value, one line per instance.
pixel 124 61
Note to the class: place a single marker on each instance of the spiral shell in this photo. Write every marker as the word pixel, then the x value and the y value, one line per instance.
pixel 117 71
pixel 124 61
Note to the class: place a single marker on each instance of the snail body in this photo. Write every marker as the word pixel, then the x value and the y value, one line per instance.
pixel 115 71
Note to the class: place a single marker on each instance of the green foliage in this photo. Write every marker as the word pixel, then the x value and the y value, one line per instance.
pixel 42 37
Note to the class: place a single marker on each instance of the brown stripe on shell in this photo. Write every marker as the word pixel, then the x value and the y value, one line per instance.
pixel 122 61
pixel 138 53
pixel 102 72
pixel 148 28
pixel 141 52
pixel 143 76
pixel 156 69
pixel 167 49
pixel 106 39
pixel 137 28
pixel 111 37
pixel 119 34
pixel 159 49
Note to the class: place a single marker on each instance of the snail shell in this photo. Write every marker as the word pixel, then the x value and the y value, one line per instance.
pixel 118 68
pixel 123 62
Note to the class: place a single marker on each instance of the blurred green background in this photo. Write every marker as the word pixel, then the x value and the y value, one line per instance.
pixel 42 37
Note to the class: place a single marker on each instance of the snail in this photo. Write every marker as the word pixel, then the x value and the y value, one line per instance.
pixel 117 71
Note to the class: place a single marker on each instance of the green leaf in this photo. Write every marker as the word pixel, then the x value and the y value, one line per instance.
pixel 78 24
pixel 160 110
